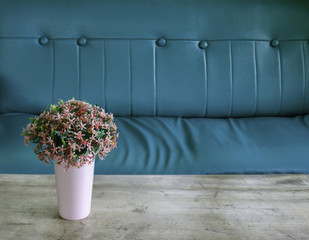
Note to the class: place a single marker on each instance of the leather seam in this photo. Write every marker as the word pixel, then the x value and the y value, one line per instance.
pixel 255 80
pixel 78 73
pixel 104 77
pixel 280 81
pixel 130 81
pixel 304 76
pixel 155 103
pixel 53 71
pixel 206 84
pixel 231 78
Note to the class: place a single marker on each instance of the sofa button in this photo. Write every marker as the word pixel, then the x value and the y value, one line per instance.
pixel 274 43
pixel 203 44
pixel 161 42
pixel 82 41
pixel 43 41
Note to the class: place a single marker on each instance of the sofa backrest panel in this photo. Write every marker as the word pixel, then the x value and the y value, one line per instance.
pixel 150 19
pixel 120 65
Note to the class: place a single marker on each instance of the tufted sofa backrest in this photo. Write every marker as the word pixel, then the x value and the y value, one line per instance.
pixel 188 58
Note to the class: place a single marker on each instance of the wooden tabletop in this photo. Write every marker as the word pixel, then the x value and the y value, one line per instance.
pixel 161 207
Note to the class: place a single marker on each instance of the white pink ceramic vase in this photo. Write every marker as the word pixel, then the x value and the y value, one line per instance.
pixel 74 191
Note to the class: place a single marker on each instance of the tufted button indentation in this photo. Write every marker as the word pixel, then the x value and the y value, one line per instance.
pixel 161 42
pixel 43 41
pixel 274 43
pixel 82 41
pixel 203 44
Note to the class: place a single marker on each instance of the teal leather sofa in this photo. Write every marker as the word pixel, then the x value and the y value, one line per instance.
pixel 196 86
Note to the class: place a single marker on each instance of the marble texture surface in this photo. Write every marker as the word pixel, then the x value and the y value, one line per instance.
pixel 161 207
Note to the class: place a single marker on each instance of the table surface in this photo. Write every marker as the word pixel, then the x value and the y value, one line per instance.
pixel 161 207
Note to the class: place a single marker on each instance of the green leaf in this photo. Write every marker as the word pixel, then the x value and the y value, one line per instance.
pixel 60 134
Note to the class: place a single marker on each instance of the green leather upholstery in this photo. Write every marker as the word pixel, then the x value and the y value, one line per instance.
pixel 231 75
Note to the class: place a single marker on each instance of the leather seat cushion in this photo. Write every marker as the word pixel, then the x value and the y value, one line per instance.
pixel 160 145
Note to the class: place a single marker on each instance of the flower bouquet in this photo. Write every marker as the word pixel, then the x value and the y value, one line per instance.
pixel 71 134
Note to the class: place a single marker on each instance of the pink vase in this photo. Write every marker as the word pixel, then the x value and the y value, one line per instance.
pixel 74 191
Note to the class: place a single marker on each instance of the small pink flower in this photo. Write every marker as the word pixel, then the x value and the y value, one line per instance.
pixel 44 141
pixel 92 138
pixel 102 143
pixel 79 135
pixel 54 150
pixel 59 117
pixel 72 156
pixel 89 147
pixel 80 148
pixel 82 126
pixel 46 152
pixel 61 149
pixel 29 127
pixel 71 121
pixel 26 142
pixel 50 141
